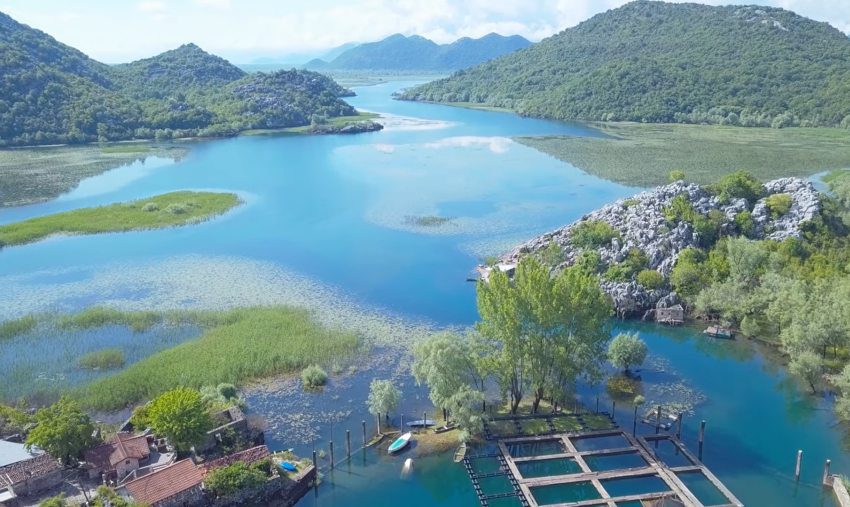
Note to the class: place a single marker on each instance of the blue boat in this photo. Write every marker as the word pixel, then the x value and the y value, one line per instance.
pixel 289 467
pixel 400 443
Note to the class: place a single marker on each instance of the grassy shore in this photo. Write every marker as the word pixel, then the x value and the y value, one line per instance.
pixel 167 210
pixel 236 346
pixel 32 175
pixel 644 154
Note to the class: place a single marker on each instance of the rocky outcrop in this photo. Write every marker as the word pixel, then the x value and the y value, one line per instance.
pixel 642 224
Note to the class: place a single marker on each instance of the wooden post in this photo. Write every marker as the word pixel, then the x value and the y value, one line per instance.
pixel 575 407
pixel 424 420
pixel 701 437
pixel 331 445
pixel 825 471
pixel 798 465
pixel 658 420
pixel 315 463
pixel 597 404
pixel 679 426
pixel 348 444
pixel 634 424
pixel 363 423
pixel 613 408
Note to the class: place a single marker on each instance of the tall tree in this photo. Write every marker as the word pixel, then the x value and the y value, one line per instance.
pixel 447 362
pixel 384 397
pixel 181 415
pixel 548 330
pixel 627 350
pixel 63 430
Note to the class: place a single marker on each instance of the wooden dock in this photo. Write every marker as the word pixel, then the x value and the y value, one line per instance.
pixel 641 446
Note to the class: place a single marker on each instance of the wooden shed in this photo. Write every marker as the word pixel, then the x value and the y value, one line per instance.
pixel 674 315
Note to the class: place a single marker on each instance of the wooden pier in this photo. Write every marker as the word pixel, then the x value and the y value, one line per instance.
pixel 641 446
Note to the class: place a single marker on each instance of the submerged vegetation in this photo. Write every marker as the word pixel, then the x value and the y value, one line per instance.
pixel 104 359
pixel 236 346
pixel 643 154
pixel 426 220
pixel 166 210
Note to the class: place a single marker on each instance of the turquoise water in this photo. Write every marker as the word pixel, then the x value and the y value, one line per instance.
pixel 326 224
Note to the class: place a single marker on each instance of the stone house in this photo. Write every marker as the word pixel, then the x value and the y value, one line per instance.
pixel 248 456
pixel 176 485
pixel 673 315
pixel 231 423
pixel 119 456
pixel 24 473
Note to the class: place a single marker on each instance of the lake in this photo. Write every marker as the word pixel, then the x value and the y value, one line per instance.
pixel 335 223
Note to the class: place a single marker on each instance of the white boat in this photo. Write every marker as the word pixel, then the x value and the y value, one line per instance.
pixel 400 443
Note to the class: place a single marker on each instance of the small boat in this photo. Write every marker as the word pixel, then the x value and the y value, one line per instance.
pixel 400 443
pixel 460 453
pixel 289 466
pixel 719 332
pixel 445 428
pixel 422 423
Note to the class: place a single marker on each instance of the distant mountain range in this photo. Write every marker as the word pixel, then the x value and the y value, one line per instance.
pixel 671 62
pixel 51 93
pixel 400 53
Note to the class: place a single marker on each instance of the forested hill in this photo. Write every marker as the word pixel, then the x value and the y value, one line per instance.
pixel 660 62
pixel 398 52
pixel 51 93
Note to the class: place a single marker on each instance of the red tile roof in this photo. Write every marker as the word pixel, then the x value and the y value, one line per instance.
pixel 39 466
pixel 165 482
pixel 249 456
pixel 120 447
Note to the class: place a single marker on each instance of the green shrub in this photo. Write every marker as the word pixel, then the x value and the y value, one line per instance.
pixel 590 261
pixel 676 175
pixel 617 273
pixel 739 184
pixel 313 376
pixel 177 209
pixel 593 234
pixel 628 203
pixel 744 223
pixel 232 478
pixel 150 207
pixel 779 204
pixel 650 279
pixel 104 359
pixel 54 501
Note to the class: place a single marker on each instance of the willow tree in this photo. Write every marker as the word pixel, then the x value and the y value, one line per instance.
pixel 447 363
pixel 548 330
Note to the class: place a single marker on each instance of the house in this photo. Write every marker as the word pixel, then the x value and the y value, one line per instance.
pixel 248 456
pixel 231 424
pixel 176 485
pixel 673 315
pixel 24 472
pixel 117 457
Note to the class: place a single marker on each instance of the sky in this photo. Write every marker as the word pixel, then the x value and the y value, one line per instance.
pixel 295 30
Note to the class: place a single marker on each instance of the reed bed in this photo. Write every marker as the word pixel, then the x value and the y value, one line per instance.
pixel 103 359
pixel 257 342
pixel 166 210
pixel 100 316
pixel 16 327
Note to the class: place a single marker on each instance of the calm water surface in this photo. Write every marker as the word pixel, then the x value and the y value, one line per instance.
pixel 339 213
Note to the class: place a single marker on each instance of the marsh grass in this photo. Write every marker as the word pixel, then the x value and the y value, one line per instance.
pixel 33 175
pixel 644 154
pixel 17 327
pixel 172 209
pixel 100 316
pixel 250 343
pixel 104 359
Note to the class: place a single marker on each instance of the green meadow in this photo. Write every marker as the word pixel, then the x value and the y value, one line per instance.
pixel 166 210
pixel 644 154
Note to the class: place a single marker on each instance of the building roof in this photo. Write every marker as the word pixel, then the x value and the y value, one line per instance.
pixel 120 447
pixel 38 466
pixel 248 456
pixel 165 482
pixel 12 452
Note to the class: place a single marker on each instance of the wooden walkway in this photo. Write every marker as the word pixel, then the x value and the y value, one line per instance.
pixel 641 446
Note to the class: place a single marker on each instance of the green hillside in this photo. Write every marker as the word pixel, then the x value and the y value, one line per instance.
pixel 51 93
pixel 660 62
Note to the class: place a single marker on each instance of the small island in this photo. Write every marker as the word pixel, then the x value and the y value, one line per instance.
pixel 158 212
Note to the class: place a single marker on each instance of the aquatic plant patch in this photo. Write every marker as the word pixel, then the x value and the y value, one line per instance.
pixel 643 155
pixel 166 210
pixel 255 343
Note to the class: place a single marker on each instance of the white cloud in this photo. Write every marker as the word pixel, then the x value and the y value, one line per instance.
pixel 152 6
pixel 215 4
pixel 496 145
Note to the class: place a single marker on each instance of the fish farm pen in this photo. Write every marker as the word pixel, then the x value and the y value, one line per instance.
pixel 585 460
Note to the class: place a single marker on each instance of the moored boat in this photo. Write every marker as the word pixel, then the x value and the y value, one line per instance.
pixel 400 443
